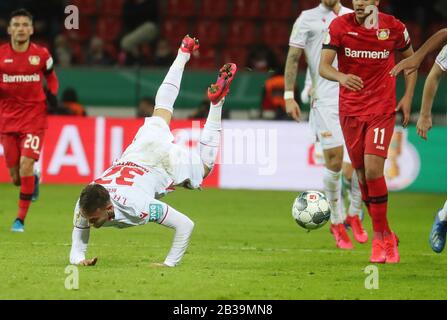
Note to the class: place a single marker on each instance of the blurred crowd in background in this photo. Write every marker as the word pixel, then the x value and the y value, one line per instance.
pixel 252 33
pixel 147 32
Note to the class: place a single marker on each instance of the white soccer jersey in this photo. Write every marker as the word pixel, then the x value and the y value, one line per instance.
pixel 146 171
pixel 132 190
pixel 308 33
pixel 441 59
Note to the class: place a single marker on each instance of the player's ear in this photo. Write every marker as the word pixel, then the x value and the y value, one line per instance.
pixel 9 29
pixel 32 30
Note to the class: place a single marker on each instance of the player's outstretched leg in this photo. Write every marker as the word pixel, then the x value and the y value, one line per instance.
pixel 218 91
pixel 439 230
pixel 355 210
pixel 210 138
pixel 169 89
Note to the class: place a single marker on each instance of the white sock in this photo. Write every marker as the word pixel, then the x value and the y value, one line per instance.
pixel 210 137
pixel 79 244
pixel 355 206
pixel 332 189
pixel 443 213
pixel 183 228
pixel 168 91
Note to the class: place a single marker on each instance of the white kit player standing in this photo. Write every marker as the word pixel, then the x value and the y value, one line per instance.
pixel 126 194
pixel 308 34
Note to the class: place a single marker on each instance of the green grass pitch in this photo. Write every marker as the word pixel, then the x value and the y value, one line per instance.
pixel 245 246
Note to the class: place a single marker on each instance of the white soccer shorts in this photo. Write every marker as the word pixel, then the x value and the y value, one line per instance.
pixel 153 147
pixel 325 124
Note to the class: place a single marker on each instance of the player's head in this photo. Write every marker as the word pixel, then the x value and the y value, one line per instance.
pixel 20 26
pixel 360 6
pixel 95 204
pixel 330 3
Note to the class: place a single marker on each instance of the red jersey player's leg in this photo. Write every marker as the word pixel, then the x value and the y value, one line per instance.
pixel 30 147
pixel 377 140
pixel 11 147
pixel 355 131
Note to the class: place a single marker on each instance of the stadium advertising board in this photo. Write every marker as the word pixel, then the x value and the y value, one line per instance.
pixel 254 154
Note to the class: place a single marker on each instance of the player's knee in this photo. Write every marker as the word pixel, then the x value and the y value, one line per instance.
pixel 334 164
pixel 26 167
pixel 373 173
pixel 334 159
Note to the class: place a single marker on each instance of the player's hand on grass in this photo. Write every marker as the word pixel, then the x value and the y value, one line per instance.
pixel 404 105
pixel 423 126
pixel 88 262
pixel 159 265
pixel 352 82
pixel 293 109
pixel 410 65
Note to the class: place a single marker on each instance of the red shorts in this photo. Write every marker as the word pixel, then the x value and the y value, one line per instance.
pixel 367 135
pixel 16 145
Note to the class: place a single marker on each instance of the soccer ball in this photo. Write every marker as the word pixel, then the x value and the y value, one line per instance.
pixel 311 210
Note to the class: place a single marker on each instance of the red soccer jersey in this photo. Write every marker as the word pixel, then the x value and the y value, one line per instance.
pixel 369 54
pixel 23 105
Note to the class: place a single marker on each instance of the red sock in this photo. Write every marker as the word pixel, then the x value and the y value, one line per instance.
pixel 378 202
pixel 26 192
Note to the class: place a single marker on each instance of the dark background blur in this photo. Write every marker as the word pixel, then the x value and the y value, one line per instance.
pixel 115 61
pixel 253 32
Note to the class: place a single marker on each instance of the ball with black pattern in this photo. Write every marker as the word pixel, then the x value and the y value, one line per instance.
pixel 311 210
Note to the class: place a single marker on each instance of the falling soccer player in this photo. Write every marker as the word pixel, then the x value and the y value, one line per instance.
pixel 364 43
pixel 23 107
pixel 126 194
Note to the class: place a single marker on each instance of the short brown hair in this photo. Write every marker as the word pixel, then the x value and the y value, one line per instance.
pixel 94 196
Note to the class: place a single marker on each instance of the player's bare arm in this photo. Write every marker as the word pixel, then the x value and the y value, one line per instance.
pixel 404 104
pixel 412 63
pixel 159 265
pixel 293 58
pixel 424 123
pixel 327 71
